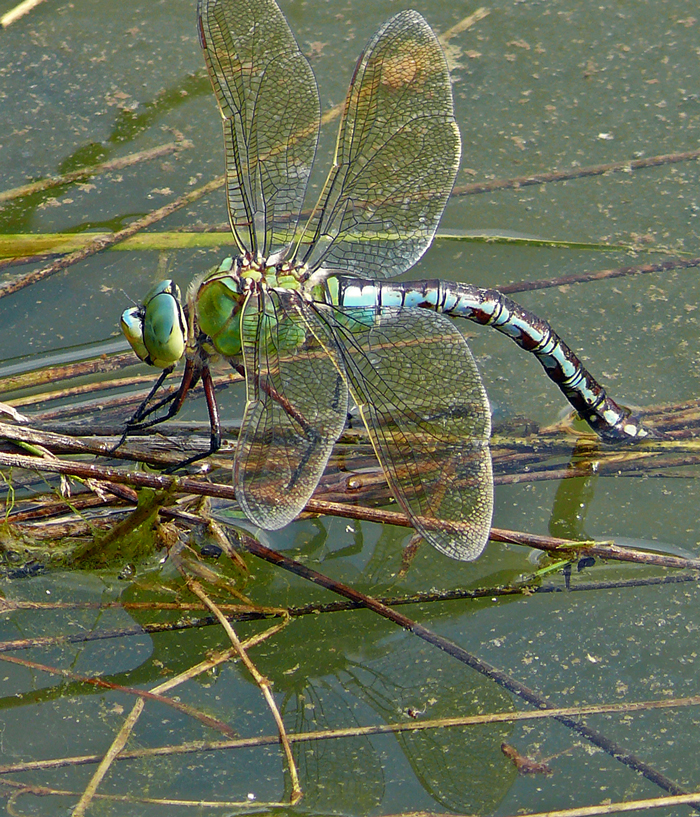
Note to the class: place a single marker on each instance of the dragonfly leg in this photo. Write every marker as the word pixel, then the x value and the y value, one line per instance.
pixel 194 370
pixel 138 422
pixel 214 421
pixel 143 411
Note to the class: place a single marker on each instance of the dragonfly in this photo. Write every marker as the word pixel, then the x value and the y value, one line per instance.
pixel 303 309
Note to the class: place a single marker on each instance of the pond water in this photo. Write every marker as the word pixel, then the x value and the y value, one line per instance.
pixel 539 87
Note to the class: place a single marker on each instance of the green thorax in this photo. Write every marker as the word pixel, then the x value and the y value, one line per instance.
pixel 223 292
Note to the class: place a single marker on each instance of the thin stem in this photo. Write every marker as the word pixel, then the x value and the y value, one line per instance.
pixel 103 242
pixel 94 170
pixel 199 487
pixel 486 719
pixel 625 166
pixel 259 679
pixel 595 737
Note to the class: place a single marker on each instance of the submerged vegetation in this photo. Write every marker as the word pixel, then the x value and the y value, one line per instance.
pixel 159 651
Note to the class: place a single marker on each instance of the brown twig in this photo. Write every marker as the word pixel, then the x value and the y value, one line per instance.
pixel 451 648
pixel 232 611
pixel 94 170
pixel 137 479
pixel 625 166
pixel 413 725
pixel 600 275
pixel 85 389
pixel 54 374
pixel 25 260
pixel 260 680
pixel 130 799
pixel 103 242
pixel 186 709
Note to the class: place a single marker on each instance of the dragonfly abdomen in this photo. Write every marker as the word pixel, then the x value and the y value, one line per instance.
pixel 489 307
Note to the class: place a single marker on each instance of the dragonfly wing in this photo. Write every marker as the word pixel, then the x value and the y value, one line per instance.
pixel 296 408
pixel 421 398
pixel 396 159
pixel 269 103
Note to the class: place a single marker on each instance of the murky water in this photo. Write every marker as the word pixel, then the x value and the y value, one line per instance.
pixel 539 87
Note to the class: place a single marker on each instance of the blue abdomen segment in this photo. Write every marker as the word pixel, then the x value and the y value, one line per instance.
pixel 488 307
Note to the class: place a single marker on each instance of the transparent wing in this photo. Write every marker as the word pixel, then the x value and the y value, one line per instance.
pixel 269 103
pixel 396 159
pixel 296 409
pixel 420 395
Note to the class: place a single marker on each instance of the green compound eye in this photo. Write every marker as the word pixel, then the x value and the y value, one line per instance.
pixel 131 324
pixel 157 330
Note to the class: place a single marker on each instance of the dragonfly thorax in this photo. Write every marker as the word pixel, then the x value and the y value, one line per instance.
pixel 223 293
pixel 272 274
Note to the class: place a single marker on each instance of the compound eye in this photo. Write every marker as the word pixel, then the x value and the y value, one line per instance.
pixel 164 329
pixel 131 324
pixel 164 287
pixel 157 330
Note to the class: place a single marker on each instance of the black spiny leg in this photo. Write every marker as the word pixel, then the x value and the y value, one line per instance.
pixel 214 420
pixel 190 378
pixel 143 411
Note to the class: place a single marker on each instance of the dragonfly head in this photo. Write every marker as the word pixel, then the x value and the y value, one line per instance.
pixel 157 329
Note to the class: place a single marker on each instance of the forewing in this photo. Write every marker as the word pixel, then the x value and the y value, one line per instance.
pixel 296 409
pixel 269 103
pixel 420 396
pixel 396 159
